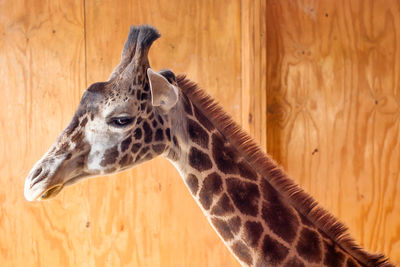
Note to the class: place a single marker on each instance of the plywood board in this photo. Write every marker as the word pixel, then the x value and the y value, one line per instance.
pixel 333 113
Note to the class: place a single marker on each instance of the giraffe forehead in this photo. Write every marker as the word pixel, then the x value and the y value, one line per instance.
pixel 102 102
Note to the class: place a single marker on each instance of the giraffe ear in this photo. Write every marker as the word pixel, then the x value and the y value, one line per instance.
pixel 163 94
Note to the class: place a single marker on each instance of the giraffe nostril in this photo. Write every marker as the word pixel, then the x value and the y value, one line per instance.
pixel 38 176
pixel 37 172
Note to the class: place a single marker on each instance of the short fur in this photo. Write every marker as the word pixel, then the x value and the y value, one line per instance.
pixel 269 169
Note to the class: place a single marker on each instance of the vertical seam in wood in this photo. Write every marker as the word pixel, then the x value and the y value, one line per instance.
pixel 266 78
pixel 85 41
pixel 241 63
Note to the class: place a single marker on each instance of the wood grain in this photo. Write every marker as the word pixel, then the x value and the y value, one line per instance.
pixel 157 222
pixel 42 76
pixel 333 109
pixel 254 69
pixel 328 109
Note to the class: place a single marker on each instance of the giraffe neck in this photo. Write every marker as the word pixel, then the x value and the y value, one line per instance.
pixel 257 224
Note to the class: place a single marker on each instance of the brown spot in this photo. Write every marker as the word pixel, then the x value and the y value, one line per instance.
pixel 148 133
pixel 222 228
pixel 351 263
pixel 244 195
pixel 333 257
pixel 80 147
pixel 144 151
pixel 148 110
pixel 138 158
pixel 269 193
pixel 137 134
pixel 154 123
pixel 280 219
pixel 197 134
pixel 187 105
pixel 252 233
pixel 223 155
pixel 223 206
pixel 149 156
pixel 110 156
pixel 146 87
pixel 246 171
pixel 159 136
pixel 175 140
pixel 314 151
pixel 83 122
pixel 159 148
pixel 78 136
pixel 309 246
pixel 273 252
pixel 126 159
pixel 278 215
pixel 173 154
pixel 135 148
pixel 87 224
pixel 125 144
pixel 242 252
pixel 110 170
pixel 168 134
pixel 212 185
pixel 193 183
pixel 199 160
pixel 144 96
pixel 203 119
pixel 295 262
pixel 235 223
pixel 160 120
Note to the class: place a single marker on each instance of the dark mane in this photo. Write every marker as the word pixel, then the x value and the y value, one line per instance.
pixel 276 176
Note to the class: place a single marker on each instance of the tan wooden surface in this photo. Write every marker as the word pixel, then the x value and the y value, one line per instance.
pixel 330 115
pixel 333 109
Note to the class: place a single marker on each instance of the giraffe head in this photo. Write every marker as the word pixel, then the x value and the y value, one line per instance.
pixel 118 124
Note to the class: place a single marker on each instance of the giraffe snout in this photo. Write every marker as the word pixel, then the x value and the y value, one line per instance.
pixel 41 180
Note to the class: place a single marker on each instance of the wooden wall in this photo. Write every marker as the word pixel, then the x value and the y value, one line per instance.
pixel 317 83
pixel 333 109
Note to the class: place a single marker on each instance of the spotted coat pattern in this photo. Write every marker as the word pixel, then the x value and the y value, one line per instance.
pixel 255 222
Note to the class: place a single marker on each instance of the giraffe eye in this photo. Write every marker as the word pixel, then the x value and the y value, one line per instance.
pixel 121 121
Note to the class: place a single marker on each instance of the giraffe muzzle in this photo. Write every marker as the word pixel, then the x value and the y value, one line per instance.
pixel 40 183
pixel 51 174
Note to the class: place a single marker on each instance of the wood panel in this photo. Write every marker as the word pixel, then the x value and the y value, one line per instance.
pixel 42 74
pixel 328 110
pixel 157 222
pixel 333 114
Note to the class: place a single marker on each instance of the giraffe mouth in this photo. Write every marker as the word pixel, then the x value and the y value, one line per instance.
pixel 51 192
pixel 54 190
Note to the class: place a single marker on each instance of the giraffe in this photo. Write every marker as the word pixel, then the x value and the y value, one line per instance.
pixel 260 214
